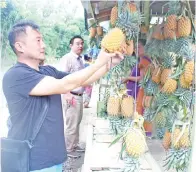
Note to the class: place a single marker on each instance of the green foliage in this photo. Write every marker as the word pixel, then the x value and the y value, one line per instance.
pixel 57 25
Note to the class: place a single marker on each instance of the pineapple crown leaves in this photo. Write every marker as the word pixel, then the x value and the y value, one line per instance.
pixel 168 61
pixel 174 7
pixel 179 70
pixel 145 79
pixel 177 159
pixel 151 88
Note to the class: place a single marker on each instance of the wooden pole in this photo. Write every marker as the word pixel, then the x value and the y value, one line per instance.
pixel 147 12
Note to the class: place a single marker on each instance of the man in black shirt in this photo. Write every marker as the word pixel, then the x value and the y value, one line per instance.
pixel 27 85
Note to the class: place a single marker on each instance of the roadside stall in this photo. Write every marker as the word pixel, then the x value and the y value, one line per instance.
pixel 162 137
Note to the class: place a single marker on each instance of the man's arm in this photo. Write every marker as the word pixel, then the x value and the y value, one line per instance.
pixel 49 85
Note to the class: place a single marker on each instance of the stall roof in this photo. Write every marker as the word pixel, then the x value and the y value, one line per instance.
pixel 157 7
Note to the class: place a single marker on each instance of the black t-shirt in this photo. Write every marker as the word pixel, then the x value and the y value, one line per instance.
pixel 49 145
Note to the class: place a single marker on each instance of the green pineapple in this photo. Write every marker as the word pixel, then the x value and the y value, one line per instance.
pixel 160 120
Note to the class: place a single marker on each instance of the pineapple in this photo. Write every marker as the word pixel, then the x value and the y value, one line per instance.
pixel 176 134
pixel 127 106
pixel 167 140
pixel 171 22
pixel 185 140
pixel 170 86
pixel 169 34
pixel 156 76
pixel 165 75
pixel 114 15
pixel 113 106
pixel 129 47
pixel 188 72
pixel 114 40
pixel 93 32
pixel 183 83
pixel 135 143
pixel 184 26
pixel 99 31
pixel 160 120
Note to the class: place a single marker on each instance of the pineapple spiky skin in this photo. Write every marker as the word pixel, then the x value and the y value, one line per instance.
pixel 99 31
pixel 171 22
pixel 135 143
pixel 185 140
pixel 167 140
pixel 160 120
pixel 183 83
pixel 184 26
pixel 175 143
pixel 165 75
pixel 127 106
pixel 113 106
pixel 114 15
pixel 114 40
pixel 188 72
pixel 169 34
pixel 156 76
pixel 93 32
pixel 170 86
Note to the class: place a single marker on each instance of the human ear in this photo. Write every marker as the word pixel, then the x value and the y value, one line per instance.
pixel 19 47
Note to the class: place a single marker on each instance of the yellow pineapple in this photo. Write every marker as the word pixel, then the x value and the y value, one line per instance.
pixel 175 142
pixel 168 33
pixel 114 15
pixel 167 140
pixel 171 22
pixel 113 106
pixel 170 86
pixel 156 75
pixel 165 74
pixel 114 41
pixel 99 30
pixel 135 142
pixel 127 106
pixel 93 32
pixel 188 71
pixel 129 47
pixel 183 83
pixel 185 140
pixel 184 26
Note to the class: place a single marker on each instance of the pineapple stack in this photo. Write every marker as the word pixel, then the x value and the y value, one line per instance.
pixel 171 52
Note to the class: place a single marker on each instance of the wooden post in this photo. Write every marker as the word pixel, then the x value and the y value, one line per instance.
pixel 147 12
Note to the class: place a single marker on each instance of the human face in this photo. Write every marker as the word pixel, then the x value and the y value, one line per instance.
pixel 77 46
pixel 140 50
pixel 32 45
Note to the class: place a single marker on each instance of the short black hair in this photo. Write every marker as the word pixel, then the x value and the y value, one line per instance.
pixel 75 37
pixel 18 28
pixel 142 41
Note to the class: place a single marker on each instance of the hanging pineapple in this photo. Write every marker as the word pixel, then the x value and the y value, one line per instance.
pixel 170 86
pixel 114 40
pixel 189 71
pixel 184 26
pixel 113 106
pixel 99 31
pixel 114 15
pixel 93 32
pixel 132 7
pixel 156 75
pixel 183 83
pixel 171 22
pixel 167 140
pixel 158 32
pixel 127 106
